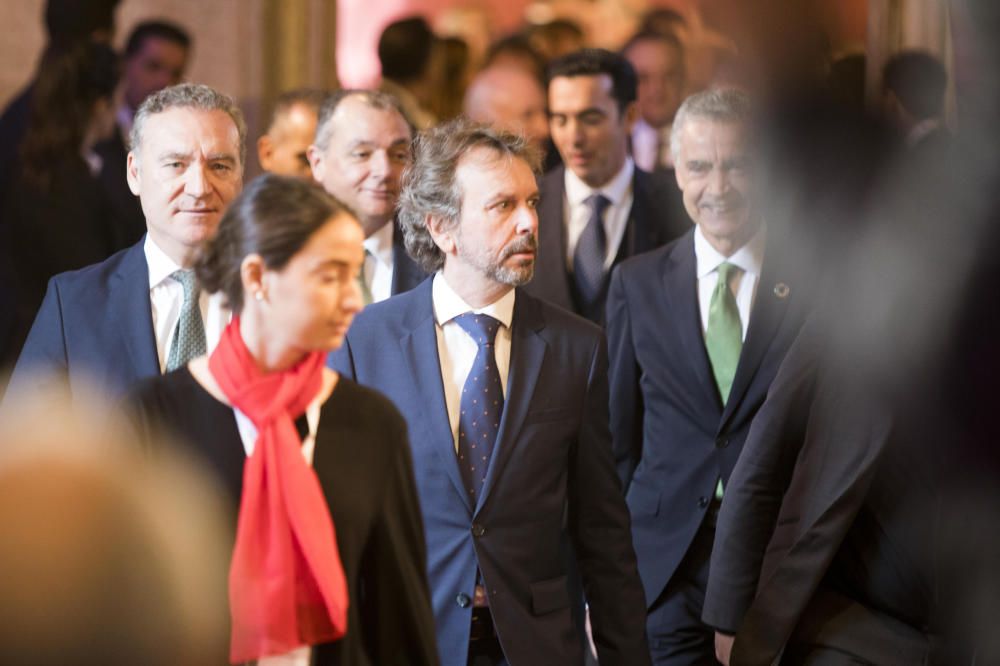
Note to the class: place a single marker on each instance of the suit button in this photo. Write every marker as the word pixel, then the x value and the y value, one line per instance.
pixel 722 442
pixel 463 600
pixel 703 502
pixel 478 530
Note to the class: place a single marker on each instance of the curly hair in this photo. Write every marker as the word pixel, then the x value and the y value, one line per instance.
pixel 429 185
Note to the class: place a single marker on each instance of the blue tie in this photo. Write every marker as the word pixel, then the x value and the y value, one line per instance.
pixel 589 256
pixel 481 404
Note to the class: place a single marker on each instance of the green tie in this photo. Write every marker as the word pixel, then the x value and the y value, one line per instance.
pixel 724 334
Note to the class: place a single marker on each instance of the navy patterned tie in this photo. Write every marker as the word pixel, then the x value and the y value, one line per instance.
pixel 590 253
pixel 481 404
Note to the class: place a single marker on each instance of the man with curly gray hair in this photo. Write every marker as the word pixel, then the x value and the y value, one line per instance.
pixel 139 312
pixel 506 398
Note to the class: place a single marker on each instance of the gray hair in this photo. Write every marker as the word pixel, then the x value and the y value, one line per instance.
pixel 188 96
pixel 729 105
pixel 373 99
pixel 429 186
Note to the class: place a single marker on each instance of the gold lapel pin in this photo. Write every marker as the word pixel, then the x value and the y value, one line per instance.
pixel 781 290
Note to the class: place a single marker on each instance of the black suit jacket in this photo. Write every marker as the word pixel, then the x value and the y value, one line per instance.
pixel 370 492
pixel 825 537
pixel 550 486
pixel 650 225
pixel 673 438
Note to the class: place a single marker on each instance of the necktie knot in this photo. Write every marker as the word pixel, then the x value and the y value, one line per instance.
pixel 188 280
pixel 483 328
pixel 597 203
pixel 727 272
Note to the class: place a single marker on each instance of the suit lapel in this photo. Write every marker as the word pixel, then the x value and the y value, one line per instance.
pixel 130 307
pixel 419 348
pixel 681 288
pixel 527 352
pixel 552 233
pixel 770 305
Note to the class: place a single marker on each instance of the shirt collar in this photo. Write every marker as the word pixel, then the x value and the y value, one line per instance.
pixel 748 258
pixel 448 304
pixel 379 244
pixel 615 189
pixel 160 265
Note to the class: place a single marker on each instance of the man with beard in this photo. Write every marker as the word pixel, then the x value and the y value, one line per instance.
pixel 506 398
pixel 696 331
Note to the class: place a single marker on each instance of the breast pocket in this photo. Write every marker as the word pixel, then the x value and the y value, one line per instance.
pixel 551 415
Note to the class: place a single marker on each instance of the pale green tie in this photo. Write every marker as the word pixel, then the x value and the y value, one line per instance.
pixel 723 337
pixel 189 336
pixel 724 333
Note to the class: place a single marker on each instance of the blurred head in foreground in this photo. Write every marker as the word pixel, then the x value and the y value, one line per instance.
pixel 108 557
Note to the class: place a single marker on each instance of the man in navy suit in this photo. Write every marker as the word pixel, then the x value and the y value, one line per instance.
pixel 138 313
pixel 511 493
pixel 696 332
pixel 362 146
pixel 597 209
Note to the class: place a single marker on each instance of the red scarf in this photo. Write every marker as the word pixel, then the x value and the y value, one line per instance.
pixel 286 583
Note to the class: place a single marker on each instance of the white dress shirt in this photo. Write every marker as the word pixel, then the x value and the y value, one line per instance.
pixel 378 262
pixel 646 141
pixel 576 212
pixel 166 297
pixel 300 656
pixel 457 350
pixel 748 258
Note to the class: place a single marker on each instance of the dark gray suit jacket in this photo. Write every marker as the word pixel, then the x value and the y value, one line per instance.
pixel 652 222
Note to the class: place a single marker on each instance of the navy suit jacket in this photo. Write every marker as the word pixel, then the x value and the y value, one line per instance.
pixel 673 438
pixel 406 274
pixel 95 326
pixel 551 485
pixel 652 222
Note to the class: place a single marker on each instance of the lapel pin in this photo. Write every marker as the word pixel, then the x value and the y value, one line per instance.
pixel 781 290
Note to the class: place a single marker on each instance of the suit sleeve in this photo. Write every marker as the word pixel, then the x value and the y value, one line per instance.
pixel 43 358
pixel 397 606
pixel 844 435
pixel 601 532
pixel 755 490
pixel 626 404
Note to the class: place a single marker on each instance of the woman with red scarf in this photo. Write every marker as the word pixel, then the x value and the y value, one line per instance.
pixel 329 560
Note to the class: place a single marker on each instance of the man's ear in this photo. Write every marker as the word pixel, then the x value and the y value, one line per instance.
pixel 443 233
pixel 630 116
pixel 265 148
pixel 132 172
pixel 316 162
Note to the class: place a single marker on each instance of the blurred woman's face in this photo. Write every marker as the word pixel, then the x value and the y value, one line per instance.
pixel 314 298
